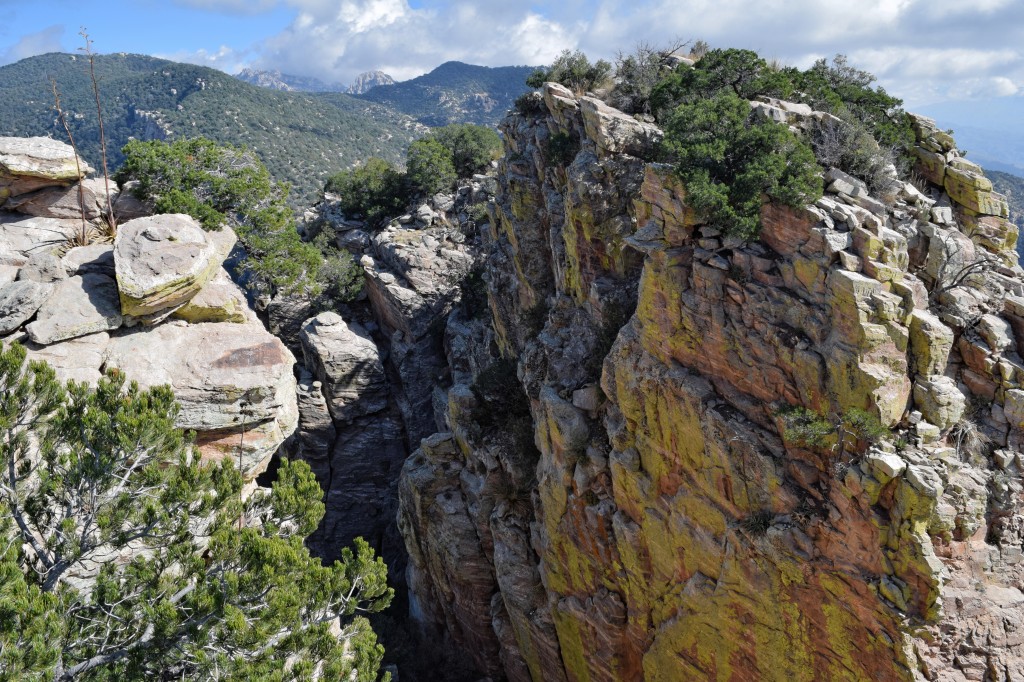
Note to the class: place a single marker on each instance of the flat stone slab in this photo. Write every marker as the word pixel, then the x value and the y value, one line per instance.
pixel 21 236
pixel 78 359
pixel 29 163
pixel 79 305
pixel 92 258
pixel 229 378
pixel 19 301
pixel 163 261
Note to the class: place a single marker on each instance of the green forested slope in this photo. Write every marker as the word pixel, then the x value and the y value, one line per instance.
pixel 454 93
pixel 300 138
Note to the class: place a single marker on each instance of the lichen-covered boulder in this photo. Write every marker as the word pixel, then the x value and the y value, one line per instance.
pixel 221 300
pixel 163 261
pixel 29 163
pixel 939 400
pixel 615 132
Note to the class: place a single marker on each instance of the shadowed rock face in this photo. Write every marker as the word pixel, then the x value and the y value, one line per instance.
pixel 671 527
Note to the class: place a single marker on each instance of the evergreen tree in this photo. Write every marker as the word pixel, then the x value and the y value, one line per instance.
pixel 123 555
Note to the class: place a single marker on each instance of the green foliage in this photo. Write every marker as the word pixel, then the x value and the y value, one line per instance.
pixel 729 161
pixel 574 71
pixel 301 137
pixel 863 425
pixel 806 428
pixel 636 75
pixel 531 104
pixel 220 184
pixel 429 167
pixel 739 72
pixel 372 191
pixel 845 91
pixel 847 144
pixel 175 577
pixel 472 147
pixel 563 148
pixel 757 523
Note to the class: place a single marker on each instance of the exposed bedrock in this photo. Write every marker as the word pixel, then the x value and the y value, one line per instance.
pixel 666 516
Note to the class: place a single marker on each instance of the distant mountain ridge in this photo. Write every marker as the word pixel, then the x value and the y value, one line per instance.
pixel 301 139
pixel 275 80
pixel 456 92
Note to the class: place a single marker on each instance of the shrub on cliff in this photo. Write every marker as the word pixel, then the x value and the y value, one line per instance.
pixel 472 147
pixel 429 167
pixel 123 555
pixel 731 160
pixel 574 71
pixel 372 191
pixel 221 184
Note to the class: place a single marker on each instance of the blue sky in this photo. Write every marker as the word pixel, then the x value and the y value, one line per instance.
pixel 926 51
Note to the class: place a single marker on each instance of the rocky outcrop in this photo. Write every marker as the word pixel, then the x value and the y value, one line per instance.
pixel 794 458
pixel 31 163
pixel 233 379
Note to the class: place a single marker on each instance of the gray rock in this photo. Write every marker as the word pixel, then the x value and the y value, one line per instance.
pixel 82 199
pixel 21 236
pixel 346 360
pixel 78 359
pixel 163 261
pixel 93 258
pixel 19 301
pixel 29 163
pixel 43 267
pixel 939 400
pixel 80 305
pixel 616 132
pixel 234 383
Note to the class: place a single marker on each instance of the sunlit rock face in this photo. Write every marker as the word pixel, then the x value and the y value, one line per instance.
pixel 665 517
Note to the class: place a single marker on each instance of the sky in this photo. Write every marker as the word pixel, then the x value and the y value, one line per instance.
pixel 925 51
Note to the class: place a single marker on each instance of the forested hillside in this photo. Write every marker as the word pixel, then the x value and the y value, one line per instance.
pixel 301 139
pixel 454 93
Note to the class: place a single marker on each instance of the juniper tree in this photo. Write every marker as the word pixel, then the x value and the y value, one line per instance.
pixel 122 554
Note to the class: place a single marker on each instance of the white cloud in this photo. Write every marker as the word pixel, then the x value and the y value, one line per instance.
pixel 225 58
pixel 47 40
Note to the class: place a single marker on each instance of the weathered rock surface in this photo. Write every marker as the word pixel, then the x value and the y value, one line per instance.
pixel 77 306
pixel 19 301
pixel 234 383
pixel 346 361
pixel 220 300
pixel 65 202
pixel 672 525
pixel 29 163
pixel 163 261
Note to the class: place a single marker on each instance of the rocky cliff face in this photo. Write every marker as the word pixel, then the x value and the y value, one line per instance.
pixel 664 511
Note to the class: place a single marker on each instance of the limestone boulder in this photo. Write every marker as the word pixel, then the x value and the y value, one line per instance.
pixel 346 361
pixel 43 267
pixel 939 400
pixel 163 261
pixel 234 383
pixel 79 305
pixel 29 163
pixel 616 132
pixel 93 258
pixel 930 343
pixel 19 301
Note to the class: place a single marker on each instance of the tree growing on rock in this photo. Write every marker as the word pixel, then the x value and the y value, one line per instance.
pixel 574 71
pixel 122 555
pixel 730 162
pixel 222 184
